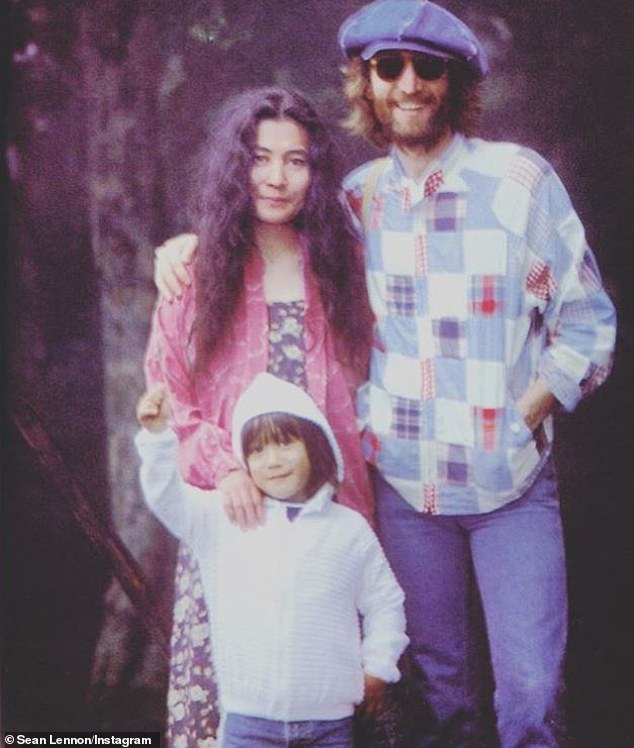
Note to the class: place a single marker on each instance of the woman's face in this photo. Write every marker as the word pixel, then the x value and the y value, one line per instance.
pixel 280 175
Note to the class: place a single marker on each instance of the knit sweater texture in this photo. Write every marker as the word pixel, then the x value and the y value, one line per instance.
pixel 299 610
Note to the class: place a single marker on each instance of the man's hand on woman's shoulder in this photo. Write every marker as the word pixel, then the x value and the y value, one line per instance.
pixel 172 262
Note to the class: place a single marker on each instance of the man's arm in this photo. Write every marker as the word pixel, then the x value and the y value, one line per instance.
pixel 565 282
pixel 536 404
pixel 172 260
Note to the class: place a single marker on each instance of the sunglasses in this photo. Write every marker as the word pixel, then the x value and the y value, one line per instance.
pixel 390 65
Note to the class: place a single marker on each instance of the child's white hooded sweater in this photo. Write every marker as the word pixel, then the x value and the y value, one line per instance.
pixel 299 610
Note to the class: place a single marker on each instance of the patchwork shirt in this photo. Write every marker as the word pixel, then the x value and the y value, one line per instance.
pixel 481 281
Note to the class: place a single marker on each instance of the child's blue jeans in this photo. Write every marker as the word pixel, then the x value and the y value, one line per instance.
pixel 240 731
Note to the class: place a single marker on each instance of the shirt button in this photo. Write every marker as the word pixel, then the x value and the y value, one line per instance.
pixel 516 427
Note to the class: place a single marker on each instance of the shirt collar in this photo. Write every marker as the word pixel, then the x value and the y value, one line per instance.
pixel 316 503
pixel 445 163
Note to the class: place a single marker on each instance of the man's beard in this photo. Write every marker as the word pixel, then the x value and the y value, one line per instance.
pixel 427 136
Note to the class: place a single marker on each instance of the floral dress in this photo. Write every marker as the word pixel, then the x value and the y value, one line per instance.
pixel 193 709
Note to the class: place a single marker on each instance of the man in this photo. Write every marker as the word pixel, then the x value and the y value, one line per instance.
pixel 490 315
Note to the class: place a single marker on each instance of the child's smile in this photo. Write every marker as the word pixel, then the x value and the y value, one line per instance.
pixel 281 471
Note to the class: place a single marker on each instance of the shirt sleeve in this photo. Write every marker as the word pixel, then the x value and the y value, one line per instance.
pixel 205 452
pixel 564 280
pixel 381 605
pixel 186 511
pixel 351 197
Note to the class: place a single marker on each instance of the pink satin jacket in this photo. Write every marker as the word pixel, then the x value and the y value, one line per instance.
pixel 202 404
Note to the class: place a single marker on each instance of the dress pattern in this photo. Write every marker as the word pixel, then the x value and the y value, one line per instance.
pixel 287 353
pixel 193 712
pixel 192 700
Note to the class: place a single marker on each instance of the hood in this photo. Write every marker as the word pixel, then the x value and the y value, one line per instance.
pixel 269 394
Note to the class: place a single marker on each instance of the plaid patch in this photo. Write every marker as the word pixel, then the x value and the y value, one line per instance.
pixel 526 173
pixel 487 295
pixel 449 336
pixel 406 200
pixel 353 198
pixel 448 212
pixel 595 376
pixel 487 421
pixel 420 248
pixel 400 295
pixel 377 210
pixel 428 378
pixel 405 419
pixel 378 341
pixel 433 183
pixel 430 499
pixel 539 229
pixel 370 446
pixel 453 466
pixel 590 273
pixel 540 281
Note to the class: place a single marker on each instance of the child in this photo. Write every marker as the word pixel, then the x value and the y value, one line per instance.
pixel 307 616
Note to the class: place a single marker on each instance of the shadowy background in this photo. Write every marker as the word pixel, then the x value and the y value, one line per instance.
pixel 107 104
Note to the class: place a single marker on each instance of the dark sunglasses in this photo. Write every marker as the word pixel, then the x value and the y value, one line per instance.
pixel 390 65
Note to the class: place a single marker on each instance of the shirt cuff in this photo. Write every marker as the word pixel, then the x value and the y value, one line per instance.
pixel 565 390
pixel 166 438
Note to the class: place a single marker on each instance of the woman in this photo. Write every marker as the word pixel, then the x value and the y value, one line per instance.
pixel 277 286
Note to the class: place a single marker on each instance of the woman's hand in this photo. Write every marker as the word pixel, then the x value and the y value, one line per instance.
pixel 171 261
pixel 243 501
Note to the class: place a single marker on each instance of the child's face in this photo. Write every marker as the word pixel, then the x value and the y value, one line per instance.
pixel 281 471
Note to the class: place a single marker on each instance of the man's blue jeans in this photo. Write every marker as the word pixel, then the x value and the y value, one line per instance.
pixel 516 557
pixel 240 731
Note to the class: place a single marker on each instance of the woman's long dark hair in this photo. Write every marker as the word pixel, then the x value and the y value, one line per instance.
pixel 224 214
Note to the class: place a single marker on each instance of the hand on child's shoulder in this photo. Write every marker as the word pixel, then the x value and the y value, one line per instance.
pixel 152 409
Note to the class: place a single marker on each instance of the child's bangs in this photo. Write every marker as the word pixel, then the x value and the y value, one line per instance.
pixel 279 428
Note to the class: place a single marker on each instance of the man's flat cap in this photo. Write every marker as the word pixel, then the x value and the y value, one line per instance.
pixel 415 25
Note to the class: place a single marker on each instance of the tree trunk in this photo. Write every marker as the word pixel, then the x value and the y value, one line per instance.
pixel 120 65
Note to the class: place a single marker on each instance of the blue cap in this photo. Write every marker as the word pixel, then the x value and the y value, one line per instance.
pixel 415 25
